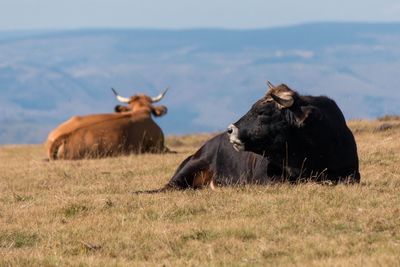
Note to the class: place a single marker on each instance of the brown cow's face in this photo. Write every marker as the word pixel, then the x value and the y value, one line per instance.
pixel 141 104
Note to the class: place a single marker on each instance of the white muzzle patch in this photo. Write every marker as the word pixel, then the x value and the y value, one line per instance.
pixel 233 132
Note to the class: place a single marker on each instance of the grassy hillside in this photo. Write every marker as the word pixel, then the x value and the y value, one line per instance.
pixel 82 212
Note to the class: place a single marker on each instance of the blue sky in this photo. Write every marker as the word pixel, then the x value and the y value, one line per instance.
pixel 72 14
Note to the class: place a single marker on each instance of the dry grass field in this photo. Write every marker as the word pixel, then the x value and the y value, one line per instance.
pixel 82 213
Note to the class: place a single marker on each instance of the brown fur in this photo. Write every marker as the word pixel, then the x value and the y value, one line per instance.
pixel 203 178
pixel 131 130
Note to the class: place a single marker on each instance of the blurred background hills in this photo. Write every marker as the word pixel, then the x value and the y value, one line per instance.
pixel 214 75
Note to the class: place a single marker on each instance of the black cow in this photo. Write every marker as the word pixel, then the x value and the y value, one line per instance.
pixel 306 137
pixel 284 137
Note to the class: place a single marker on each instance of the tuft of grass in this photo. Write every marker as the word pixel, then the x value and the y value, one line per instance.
pixel 199 235
pixel 108 203
pixel 185 213
pixel 243 234
pixel 17 239
pixel 75 209
pixel 22 198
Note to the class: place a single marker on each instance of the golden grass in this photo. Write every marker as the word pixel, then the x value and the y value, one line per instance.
pixel 81 213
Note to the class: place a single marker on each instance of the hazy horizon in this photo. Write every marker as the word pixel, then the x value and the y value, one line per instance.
pixel 200 28
pixel 188 14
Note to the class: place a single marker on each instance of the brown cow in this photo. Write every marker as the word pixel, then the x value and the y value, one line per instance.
pixel 130 130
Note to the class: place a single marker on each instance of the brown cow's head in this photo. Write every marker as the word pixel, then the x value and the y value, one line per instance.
pixel 141 104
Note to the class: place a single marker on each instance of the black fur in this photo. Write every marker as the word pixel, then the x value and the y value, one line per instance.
pixel 308 141
pixel 228 166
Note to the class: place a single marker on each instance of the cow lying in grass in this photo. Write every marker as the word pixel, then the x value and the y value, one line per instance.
pixel 130 130
pixel 283 137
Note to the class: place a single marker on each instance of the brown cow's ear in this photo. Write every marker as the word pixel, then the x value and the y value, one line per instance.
pixel 120 108
pixel 159 111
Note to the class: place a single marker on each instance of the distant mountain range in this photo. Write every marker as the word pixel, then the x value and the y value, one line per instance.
pixel 214 75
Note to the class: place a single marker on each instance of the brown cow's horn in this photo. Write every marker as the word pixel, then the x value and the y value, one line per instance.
pixel 285 100
pixel 120 98
pixel 270 85
pixel 160 96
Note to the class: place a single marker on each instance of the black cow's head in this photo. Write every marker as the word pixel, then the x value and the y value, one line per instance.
pixel 269 122
pixel 141 103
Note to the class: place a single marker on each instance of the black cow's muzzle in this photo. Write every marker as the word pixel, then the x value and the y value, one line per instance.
pixel 233 133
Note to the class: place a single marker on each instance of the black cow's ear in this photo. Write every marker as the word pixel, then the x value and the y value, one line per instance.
pixel 284 101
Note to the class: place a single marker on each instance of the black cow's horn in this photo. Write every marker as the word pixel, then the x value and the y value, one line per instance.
pixel 285 100
pixel 160 96
pixel 270 85
pixel 120 98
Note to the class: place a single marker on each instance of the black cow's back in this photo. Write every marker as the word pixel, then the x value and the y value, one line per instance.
pixel 334 147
